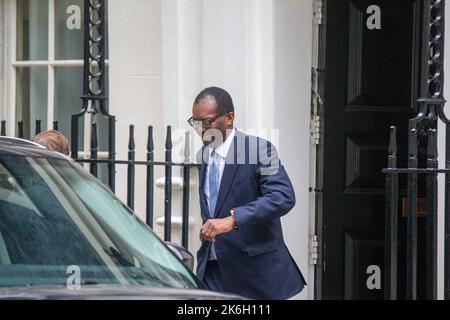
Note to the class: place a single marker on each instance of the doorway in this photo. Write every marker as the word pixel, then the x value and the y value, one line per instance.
pixel 370 76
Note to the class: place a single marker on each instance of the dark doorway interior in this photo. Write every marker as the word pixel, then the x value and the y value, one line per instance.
pixel 370 81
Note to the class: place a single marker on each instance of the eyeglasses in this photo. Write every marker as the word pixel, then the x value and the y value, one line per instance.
pixel 205 123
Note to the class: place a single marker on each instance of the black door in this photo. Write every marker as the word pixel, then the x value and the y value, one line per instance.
pixel 370 80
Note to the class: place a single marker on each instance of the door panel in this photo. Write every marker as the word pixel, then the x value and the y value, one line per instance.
pixel 371 81
pixel 377 56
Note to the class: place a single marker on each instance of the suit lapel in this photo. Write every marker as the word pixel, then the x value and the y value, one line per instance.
pixel 202 191
pixel 229 172
pixel 204 154
pixel 227 178
pixel 203 164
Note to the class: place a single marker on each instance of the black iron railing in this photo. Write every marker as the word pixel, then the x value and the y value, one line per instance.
pixel 431 106
pixel 94 161
pixel 94 94
pixel 150 165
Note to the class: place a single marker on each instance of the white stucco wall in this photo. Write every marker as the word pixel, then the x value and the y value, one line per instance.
pixel 162 53
pixel 260 52
pixel 135 82
pixel 292 97
pixel 154 65
pixel 182 63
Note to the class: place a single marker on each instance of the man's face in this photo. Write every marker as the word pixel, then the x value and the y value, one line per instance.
pixel 215 133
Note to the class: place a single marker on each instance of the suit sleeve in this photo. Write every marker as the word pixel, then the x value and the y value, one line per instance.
pixel 277 195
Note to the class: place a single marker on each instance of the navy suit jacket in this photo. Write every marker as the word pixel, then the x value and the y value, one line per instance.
pixel 253 259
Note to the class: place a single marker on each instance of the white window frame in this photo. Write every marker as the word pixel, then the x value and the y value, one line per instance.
pixel 51 65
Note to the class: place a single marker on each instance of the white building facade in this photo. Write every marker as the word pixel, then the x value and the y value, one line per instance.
pixel 161 54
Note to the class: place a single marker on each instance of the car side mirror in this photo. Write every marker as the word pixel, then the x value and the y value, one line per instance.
pixel 182 253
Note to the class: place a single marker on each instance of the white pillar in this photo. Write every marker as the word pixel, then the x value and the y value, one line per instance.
pixel 182 63
pixel 260 51
pixel 135 88
pixel 292 96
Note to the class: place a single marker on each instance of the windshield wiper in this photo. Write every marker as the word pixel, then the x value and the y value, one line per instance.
pixel 89 283
pixel 119 257
pixel 143 274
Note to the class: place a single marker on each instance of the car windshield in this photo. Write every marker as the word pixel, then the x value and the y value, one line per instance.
pixel 60 226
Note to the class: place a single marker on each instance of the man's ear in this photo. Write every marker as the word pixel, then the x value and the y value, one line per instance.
pixel 229 118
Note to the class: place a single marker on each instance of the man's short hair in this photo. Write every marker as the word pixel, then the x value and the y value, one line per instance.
pixel 222 97
pixel 53 140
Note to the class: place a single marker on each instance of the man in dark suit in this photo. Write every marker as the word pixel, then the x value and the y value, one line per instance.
pixel 244 190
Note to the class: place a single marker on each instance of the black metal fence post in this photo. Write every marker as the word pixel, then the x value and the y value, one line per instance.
pixel 94 89
pixel 94 148
pixel 150 178
pixel 3 129
pixel 131 169
pixel 55 125
pixel 38 126
pixel 20 129
pixel 391 224
pixel 168 187
pixel 74 130
pixel 431 219
pixel 411 254
pixel 186 183
pixel 111 150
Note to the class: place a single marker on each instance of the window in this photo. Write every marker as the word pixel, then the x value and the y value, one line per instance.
pixel 54 215
pixel 47 63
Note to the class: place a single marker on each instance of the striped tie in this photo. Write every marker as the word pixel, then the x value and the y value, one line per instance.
pixel 213 183
pixel 213 191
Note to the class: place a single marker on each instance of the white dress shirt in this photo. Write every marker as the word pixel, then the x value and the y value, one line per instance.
pixel 221 155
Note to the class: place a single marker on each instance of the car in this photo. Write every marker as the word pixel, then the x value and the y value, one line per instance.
pixel 65 235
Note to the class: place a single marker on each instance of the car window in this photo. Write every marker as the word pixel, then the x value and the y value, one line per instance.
pixel 54 215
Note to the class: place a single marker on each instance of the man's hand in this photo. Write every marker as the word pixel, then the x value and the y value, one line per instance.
pixel 213 227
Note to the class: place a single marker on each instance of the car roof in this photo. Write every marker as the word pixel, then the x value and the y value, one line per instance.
pixel 26 148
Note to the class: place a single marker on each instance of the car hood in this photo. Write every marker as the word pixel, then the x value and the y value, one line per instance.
pixel 107 292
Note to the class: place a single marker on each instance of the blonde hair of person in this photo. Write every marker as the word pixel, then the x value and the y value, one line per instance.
pixel 53 140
